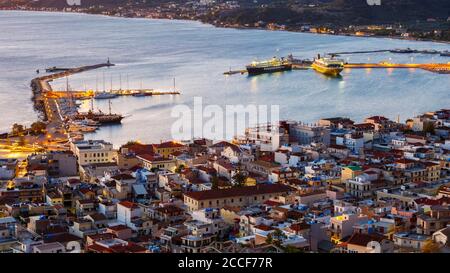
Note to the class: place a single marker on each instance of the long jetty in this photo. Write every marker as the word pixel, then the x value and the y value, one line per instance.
pixel 397 51
pixel 50 107
pixel 88 94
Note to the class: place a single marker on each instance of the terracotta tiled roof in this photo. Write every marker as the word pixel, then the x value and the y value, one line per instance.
pixel 128 204
pixel 364 239
pixel 169 144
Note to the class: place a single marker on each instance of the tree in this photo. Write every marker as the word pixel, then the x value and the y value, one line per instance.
pixel 17 129
pixel 239 179
pixel 430 246
pixel 292 249
pixel 180 168
pixel 276 237
pixel 38 127
pixel 131 142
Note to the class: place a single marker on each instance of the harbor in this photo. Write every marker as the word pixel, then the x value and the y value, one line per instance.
pixel 59 109
pixel 293 63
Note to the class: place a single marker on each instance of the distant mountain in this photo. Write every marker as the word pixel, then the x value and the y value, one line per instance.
pixel 341 12
pixel 293 12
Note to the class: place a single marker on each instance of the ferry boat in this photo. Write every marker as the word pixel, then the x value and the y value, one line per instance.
pixel 273 65
pixel 328 66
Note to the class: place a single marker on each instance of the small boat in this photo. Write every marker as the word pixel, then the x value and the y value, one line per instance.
pixel 104 95
pixel 140 94
pixel 407 50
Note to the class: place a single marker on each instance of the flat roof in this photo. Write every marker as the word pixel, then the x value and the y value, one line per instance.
pixel 242 191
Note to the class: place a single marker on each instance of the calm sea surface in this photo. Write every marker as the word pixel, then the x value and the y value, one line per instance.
pixel 150 53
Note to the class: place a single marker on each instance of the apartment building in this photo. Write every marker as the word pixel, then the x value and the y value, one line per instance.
pixel 93 151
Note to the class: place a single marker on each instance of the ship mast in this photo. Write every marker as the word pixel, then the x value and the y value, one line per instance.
pixel 70 94
pixel 104 89
pixel 174 89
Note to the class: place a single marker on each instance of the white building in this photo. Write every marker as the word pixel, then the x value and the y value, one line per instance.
pixel 267 138
pixel 93 151
pixel 354 142
pixel 128 211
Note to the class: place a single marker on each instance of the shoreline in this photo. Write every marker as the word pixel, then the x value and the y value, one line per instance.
pixel 235 27
pixel 189 21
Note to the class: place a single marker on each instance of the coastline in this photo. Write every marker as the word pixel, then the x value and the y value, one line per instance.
pixel 78 16
pixel 236 27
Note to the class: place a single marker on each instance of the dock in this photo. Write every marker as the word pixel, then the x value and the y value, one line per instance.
pixel 232 72
pixel 440 68
pixel 53 109
pixel 88 94
pixel 397 51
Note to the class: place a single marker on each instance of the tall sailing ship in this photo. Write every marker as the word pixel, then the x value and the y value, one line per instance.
pixel 100 117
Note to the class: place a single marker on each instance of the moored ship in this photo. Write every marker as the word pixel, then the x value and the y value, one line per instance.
pixel 100 117
pixel 269 66
pixel 104 95
pixel 328 66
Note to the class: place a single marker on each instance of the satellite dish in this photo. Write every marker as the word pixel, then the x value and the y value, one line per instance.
pixel 373 247
pixel 73 247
